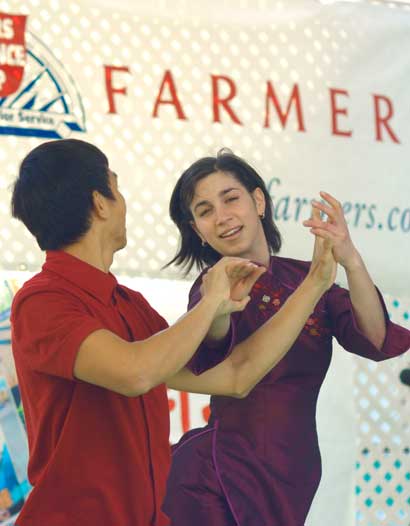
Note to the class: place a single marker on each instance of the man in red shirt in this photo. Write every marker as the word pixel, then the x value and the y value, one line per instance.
pixel 92 356
pixel 90 370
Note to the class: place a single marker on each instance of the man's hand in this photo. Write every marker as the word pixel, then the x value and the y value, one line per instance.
pixel 334 230
pixel 243 278
pixel 323 268
pixel 231 279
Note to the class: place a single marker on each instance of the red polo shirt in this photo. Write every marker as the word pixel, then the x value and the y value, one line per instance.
pixel 97 458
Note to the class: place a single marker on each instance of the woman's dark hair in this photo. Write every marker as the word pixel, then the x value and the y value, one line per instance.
pixel 191 252
pixel 53 193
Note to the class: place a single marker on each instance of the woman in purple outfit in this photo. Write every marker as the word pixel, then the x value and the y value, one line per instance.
pixel 257 462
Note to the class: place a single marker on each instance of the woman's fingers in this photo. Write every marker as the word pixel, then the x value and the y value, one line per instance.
pixel 332 201
pixel 315 214
pixel 323 225
pixel 331 213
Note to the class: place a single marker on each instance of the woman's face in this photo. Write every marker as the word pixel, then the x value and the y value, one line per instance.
pixel 226 216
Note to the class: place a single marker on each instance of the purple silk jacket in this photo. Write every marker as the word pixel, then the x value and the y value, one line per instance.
pixel 257 462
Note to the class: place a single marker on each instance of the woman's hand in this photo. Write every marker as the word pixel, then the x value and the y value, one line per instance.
pixel 334 230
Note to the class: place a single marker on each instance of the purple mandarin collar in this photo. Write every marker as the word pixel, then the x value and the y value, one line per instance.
pixel 279 274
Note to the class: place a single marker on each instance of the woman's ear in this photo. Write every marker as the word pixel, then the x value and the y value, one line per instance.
pixel 197 232
pixel 260 203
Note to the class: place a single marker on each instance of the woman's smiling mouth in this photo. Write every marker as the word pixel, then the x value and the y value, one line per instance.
pixel 231 233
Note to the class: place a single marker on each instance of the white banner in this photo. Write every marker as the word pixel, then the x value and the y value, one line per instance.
pixel 313 95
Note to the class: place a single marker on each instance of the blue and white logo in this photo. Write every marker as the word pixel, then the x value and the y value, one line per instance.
pixel 47 103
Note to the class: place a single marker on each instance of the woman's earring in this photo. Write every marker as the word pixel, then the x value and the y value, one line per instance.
pixel 203 243
pixel 262 216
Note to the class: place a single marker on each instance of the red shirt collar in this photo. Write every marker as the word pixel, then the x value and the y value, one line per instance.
pixel 91 279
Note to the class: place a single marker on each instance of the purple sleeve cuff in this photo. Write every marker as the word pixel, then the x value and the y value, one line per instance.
pixel 348 334
pixel 212 352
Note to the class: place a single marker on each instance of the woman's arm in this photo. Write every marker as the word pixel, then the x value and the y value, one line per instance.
pixel 253 358
pixel 367 309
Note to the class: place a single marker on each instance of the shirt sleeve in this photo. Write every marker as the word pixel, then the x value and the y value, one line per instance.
pixel 347 333
pixel 210 353
pixel 48 328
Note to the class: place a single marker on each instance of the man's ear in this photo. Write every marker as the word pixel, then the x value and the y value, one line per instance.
pixel 197 232
pixel 100 207
pixel 260 203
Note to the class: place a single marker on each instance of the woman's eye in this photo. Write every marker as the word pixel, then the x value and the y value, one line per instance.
pixel 232 199
pixel 204 212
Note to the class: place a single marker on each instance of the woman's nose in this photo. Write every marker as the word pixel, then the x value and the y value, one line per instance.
pixel 222 215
